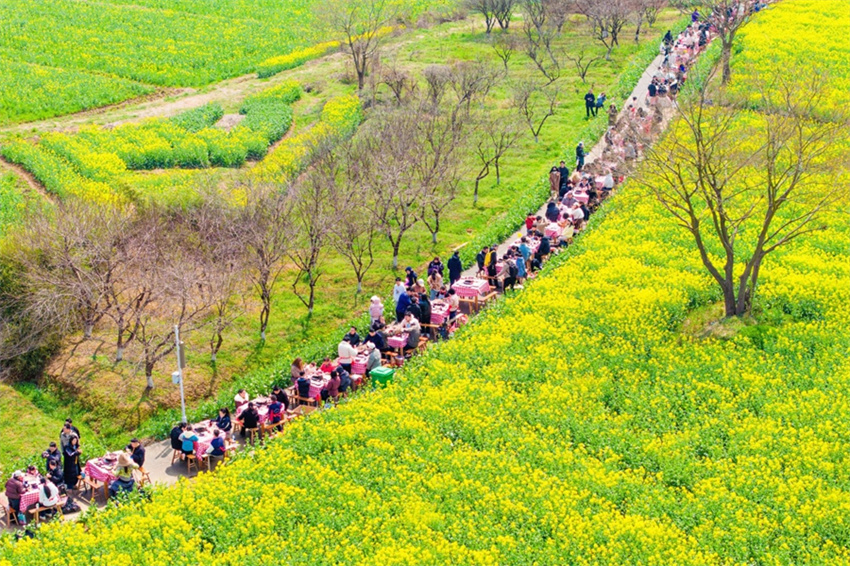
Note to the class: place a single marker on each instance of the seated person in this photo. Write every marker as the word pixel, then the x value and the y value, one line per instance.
pixel 137 452
pixel 125 482
pixel 188 438
pixel 379 324
pixel 376 340
pixel 327 365
pixel 241 398
pixel 331 389
pixel 303 387
pixel 48 496
pixel 281 396
pixel 55 474
pixel 224 423
pixel 250 418
pixel 344 380
pixel 414 330
pixel 296 370
pixel 176 444
pixel 352 337
pixel 217 446
pixel 275 410
pixel 374 359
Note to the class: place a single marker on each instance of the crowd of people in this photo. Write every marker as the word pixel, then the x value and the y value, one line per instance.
pixel 573 199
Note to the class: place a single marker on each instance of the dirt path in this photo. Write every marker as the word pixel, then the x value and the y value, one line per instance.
pixel 30 180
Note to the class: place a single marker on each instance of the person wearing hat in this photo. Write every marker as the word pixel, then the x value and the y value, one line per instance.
pixel 376 309
pixel 374 359
pixel 124 480
pixel 14 491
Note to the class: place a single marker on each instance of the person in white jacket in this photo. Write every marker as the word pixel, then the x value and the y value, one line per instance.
pixel 347 353
pixel 48 496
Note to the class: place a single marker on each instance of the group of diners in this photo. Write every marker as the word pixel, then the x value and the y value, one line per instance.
pixel 44 493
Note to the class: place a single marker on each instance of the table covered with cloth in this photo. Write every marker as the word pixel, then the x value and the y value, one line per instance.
pixel 471 287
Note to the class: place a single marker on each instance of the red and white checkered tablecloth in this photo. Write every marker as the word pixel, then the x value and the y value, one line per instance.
pixel 101 471
pixel 439 312
pixel 581 197
pixel 358 365
pixel 399 341
pixel 470 288
pixel 553 231
pixel 30 497
pixel 600 181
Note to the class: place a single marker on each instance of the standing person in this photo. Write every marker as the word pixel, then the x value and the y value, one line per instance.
pixel 492 258
pixel 455 268
pixel 65 435
pixel 76 431
pixel 612 115
pixel 480 259
pixel 14 491
pixel 424 309
pixel 580 155
pixel 347 353
pixel 564 171
pixel 435 281
pixel 510 277
pixel 398 289
pixel 590 103
pixel 411 276
pixel 401 306
pixel 554 180
pixel 436 264
pixel 600 102
pixel 668 38
pixel 376 309
pixel 454 304
pixel 521 269
pixel 71 466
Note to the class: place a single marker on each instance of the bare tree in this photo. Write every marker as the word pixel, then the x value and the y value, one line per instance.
pixel 470 80
pixel 70 259
pixel 503 11
pixel 484 7
pixel 177 283
pixel 359 22
pixel 540 37
pixel 498 134
pixel 399 82
pixel 728 17
pixel 437 78
pixel 312 217
pixel 222 267
pixel 741 201
pixel 558 12
pixel 651 9
pixel 264 228
pixel 353 232
pixel 607 19
pixel 535 104
pixel 386 154
pixel 504 45
pixel 583 61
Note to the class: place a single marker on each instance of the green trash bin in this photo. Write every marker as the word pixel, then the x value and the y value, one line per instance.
pixel 381 376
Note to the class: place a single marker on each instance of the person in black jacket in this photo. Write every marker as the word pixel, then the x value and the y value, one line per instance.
pixel 425 309
pixel 415 308
pixel 376 339
pixel 455 268
pixel 590 104
pixel 565 177
pixel 580 156
pixel 137 452
pixel 480 257
pixel 250 417
pixel 176 443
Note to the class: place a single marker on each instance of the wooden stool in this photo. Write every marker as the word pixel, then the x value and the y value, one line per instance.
pixel 11 515
pixel 92 485
pixel 176 455
pixel 192 460
pixel 423 344
pixel 252 434
pixel 269 430
pixel 144 477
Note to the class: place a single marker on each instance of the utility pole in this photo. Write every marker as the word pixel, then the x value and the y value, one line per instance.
pixel 178 375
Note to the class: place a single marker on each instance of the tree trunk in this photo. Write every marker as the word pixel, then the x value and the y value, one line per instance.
pixel 119 354
pixel 212 357
pixel 396 246
pixel 729 303
pixel 87 330
pixel 608 53
pixel 149 375
pixel 264 315
pixel 725 57
pixel 359 284
pixel 498 172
